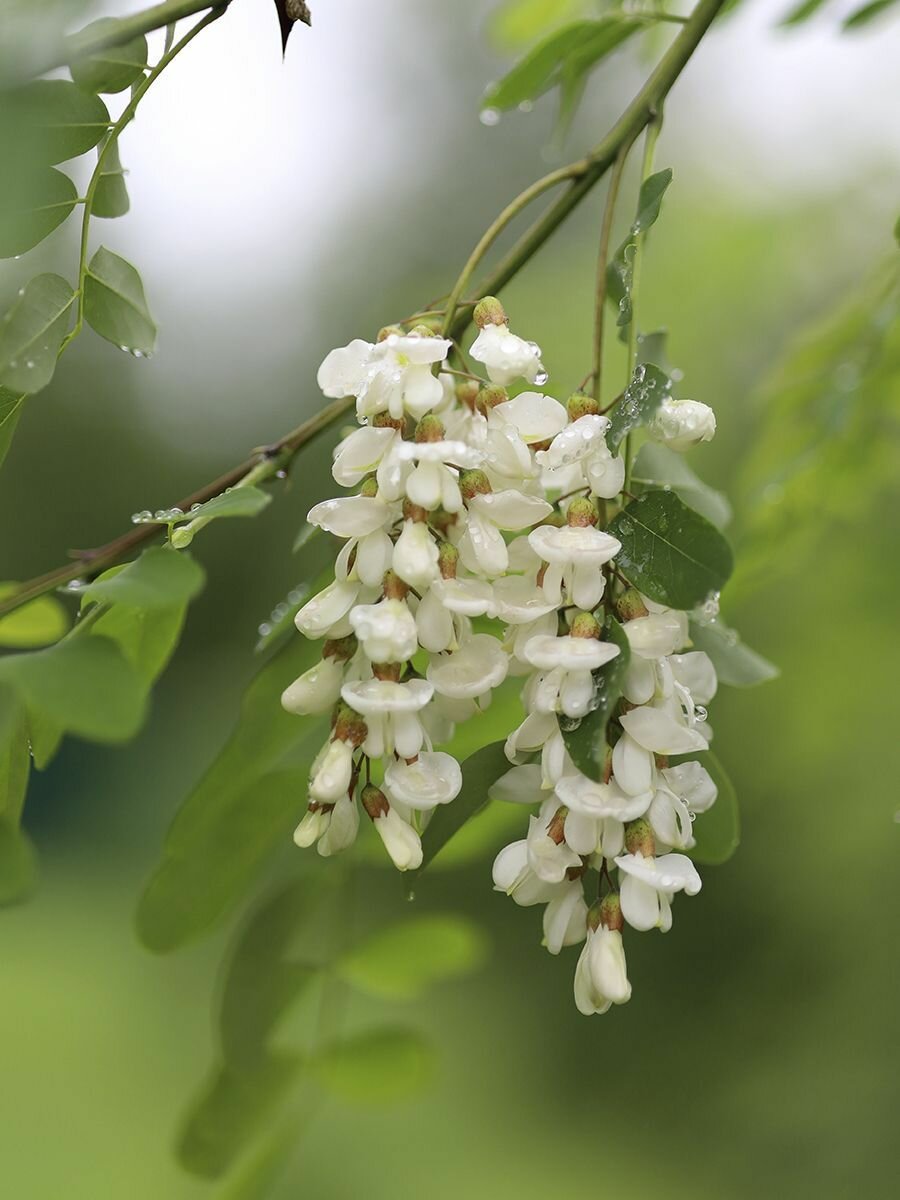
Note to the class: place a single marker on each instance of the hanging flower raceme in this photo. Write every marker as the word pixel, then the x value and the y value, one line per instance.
pixel 477 547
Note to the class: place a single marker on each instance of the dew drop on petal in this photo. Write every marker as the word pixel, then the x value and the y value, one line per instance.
pixel 489 116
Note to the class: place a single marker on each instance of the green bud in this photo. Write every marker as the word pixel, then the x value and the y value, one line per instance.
pixel 182 537
pixel 389 331
pixel 374 801
pixel 474 483
pixel 579 405
pixel 448 560
pixel 349 726
pixel 629 605
pixel 585 625
pixel 492 395
pixel 430 429
pixel 581 513
pixel 489 311
pixel 611 912
pixel 639 838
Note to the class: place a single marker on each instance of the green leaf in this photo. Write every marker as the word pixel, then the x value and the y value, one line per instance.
pixel 160 578
pixel 862 16
pixel 38 623
pixel 480 770
pixel 648 388
pixel 620 269
pixel 111 194
pixel 669 552
pixel 31 207
pixel 736 664
pixel 586 742
pixel 83 684
pixel 659 467
pixel 235 502
pixel 203 875
pixel 17 858
pixel 518 22
pixel 375 1067
pixel 563 58
pixel 232 1107
pixel 58 119
pixel 115 305
pixel 481 837
pixel 146 636
pixel 718 831
pixel 10 411
pixel 115 68
pixel 32 331
pixel 802 12
pixel 404 960
pixel 261 982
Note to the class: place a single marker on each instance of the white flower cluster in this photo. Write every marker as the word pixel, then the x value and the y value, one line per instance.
pixel 468 505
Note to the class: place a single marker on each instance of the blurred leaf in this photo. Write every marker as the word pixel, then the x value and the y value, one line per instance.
pixel 652 347
pixel 111 194
pixel 517 22
pixel 648 388
pixel 160 578
pixel 206 871
pixel 57 120
pixel 669 552
pixel 375 1067
pixel 146 636
pixel 802 12
pixel 10 411
pixel 479 770
pixel 659 467
pixel 868 12
pixel 235 502
pixel 404 960
pixel 38 623
pixel 827 455
pixel 115 305
pixel 587 743
pixel 260 981
pixel 115 68
pixel 564 59
pixel 231 1108
pixel 84 685
pixel 255 1176
pixel 718 831
pixel 17 858
pixel 481 836
pixel 620 269
pixel 32 331
pixel 736 664
pixel 31 206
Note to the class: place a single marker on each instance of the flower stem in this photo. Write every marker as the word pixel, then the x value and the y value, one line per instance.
pixel 602 259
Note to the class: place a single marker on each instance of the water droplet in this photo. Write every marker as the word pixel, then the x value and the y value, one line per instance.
pixel 75 585
pixel 489 116
pixel 541 378
pixel 526 106
pixel 139 518
pixel 410 896
pixel 30 364
pixel 281 473
pixel 264 629
pixel 700 713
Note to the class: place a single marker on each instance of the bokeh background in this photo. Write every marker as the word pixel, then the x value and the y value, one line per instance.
pixel 279 210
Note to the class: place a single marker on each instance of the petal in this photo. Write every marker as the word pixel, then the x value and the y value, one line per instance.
pixel 343 371
pixel 632 766
pixel 350 516
pixel 657 730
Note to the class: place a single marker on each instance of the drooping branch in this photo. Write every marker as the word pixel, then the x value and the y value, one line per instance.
pixel 583 175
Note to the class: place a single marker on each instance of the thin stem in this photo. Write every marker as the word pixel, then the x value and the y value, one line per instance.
pixel 90 40
pixel 638 114
pixel 113 136
pixel 609 209
pixel 265 463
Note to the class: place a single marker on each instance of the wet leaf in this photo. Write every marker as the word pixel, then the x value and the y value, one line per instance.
pixel 115 305
pixel 58 120
pixel 236 502
pixel 111 194
pixel 38 623
pixel 115 68
pixel 404 960
pixel 669 552
pixel 375 1067
pixel 32 331
pixel 17 858
pixel 586 742
pixel 620 269
pixel 32 204
pixel 861 17
pixel 659 467
pixel 736 664
pixel 10 411
pixel 648 388
pixel 146 636
pixel 160 578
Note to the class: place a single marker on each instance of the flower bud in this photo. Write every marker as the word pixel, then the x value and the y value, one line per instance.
pixel 448 560
pixel 630 606
pixel 389 331
pixel 585 625
pixel 315 822
pixel 489 311
pixel 474 483
pixel 428 326
pixel 611 912
pixel 556 830
pixel 384 420
pixel 581 513
pixel 393 586
pixel 489 397
pixel 181 537
pixel 374 801
pixel 348 725
pixel 414 512
pixel 430 429
pixel 369 487
pixel 467 393
pixel 579 405
pixel 639 838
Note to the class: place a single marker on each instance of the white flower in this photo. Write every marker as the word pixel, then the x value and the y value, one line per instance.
pixel 331 772
pixel 568 686
pixel 649 885
pixel 519 601
pixel 511 428
pixel 415 557
pixel 394 375
pixel 583 444
pixel 576 555
pixel 482 547
pixel 316 690
pixel 434 622
pixel 432 483
pixel 680 424
pixel 391 712
pixel 401 841
pixel 471 671
pixel 433 778
pixel 513 875
pixel 670 820
pixel 598 800
pixel 315 822
pixel 662 729
pixel 601 978
pixel 565 917
pixel 342 828
pixel 507 357
pixel 696 672
pixel 693 784
pixel 327 611
pixel 361 453
pixel 657 634
pixel 386 631
pixel 548 855
pixel 468 597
